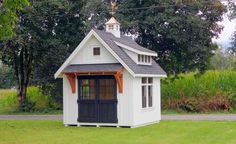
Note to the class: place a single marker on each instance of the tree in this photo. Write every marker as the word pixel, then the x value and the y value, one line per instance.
pixel 6 77
pixel 179 31
pixel 232 15
pixel 8 16
pixel 223 59
pixel 233 43
pixel 45 35
pixel 65 29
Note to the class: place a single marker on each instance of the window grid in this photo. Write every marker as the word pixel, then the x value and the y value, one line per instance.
pixel 96 51
pixel 147 92
pixel 144 59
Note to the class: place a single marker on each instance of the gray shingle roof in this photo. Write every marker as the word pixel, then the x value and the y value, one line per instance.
pixel 93 68
pixel 109 39
pixel 126 41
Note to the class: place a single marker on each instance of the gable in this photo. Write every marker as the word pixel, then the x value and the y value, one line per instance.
pixel 81 45
pixel 86 56
pixel 119 55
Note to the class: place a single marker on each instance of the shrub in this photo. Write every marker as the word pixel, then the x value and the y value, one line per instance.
pixel 34 95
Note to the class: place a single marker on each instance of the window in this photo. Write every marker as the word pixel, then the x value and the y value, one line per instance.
pixel 107 89
pixel 147 92
pixel 87 89
pixel 144 59
pixel 110 27
pixel 117 27
pixel 149 59
pixel 96 51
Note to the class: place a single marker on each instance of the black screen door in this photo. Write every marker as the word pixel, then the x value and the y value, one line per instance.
pixel 97 100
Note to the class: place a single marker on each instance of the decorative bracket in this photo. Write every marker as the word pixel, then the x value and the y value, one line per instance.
pixel 119 79
pixel 72 81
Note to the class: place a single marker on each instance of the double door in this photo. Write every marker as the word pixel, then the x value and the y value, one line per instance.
pixel 97 99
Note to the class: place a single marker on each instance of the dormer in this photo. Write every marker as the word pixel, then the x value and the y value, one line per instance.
pixel 138 54
pixel 113 26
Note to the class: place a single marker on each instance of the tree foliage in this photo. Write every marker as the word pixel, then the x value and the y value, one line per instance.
pixel 8 16
pixel 223 59
pixel 7 79
pixel 45 35
pixel 180 32
pixel 63 30
pixel 232 15
pixel 233 42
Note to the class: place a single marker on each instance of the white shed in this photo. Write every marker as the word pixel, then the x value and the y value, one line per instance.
pixel 111 80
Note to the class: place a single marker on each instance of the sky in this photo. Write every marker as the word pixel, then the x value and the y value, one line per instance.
pixel 226 35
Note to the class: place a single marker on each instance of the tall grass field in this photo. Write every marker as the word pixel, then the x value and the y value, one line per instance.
pixel 37 102
pixel 212 91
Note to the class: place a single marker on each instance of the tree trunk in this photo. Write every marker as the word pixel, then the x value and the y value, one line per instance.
pixel 22 67
pixel 21 93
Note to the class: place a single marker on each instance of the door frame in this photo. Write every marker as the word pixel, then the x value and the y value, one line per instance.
pixel 97 99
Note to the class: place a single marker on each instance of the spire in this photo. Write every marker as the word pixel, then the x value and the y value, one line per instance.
pixel 114 7
pixel 112 25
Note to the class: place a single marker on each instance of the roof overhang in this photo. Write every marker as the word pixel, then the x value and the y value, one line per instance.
pixel 92 68
pixel 149 75
pixel 135 50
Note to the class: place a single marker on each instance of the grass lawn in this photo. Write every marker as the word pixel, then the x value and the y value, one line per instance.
pixel 166 132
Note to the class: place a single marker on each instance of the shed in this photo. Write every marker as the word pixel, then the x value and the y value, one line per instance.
pixel 111 80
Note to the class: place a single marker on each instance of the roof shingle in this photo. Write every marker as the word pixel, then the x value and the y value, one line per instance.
pixel 93 68
pixel 109 39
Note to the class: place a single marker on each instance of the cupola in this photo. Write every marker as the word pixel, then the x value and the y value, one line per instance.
pixel 113 26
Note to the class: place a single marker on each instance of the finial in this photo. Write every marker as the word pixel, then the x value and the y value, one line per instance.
pixel 114 7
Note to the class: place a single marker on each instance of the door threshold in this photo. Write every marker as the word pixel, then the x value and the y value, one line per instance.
pixel 98 124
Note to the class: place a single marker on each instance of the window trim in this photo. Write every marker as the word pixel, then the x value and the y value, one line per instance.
pixel 144 59
pixel 146 84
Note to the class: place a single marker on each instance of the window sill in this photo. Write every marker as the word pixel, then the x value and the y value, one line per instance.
pixel 148 64
pixel 147 109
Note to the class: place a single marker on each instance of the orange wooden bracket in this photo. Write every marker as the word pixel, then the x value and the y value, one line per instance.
pixel 72 81
pixel 119 79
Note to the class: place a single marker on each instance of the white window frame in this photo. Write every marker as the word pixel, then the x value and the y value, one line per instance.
pixel 111 27
pixel 143 59
pixel 147 84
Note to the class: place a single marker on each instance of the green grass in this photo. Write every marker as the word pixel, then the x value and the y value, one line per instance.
pixel 166 132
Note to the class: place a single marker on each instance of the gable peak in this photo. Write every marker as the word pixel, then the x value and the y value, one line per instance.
pixel 112 20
